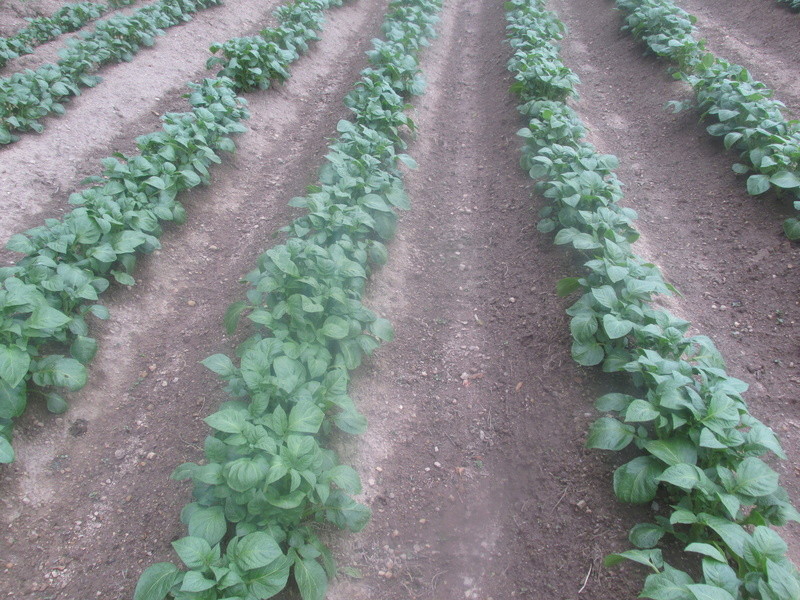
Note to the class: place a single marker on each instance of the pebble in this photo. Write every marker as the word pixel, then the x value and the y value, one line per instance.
pixel 119 454
pixel 192 303
pixel 151 455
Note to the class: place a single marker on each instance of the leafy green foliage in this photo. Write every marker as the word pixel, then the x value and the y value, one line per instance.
pixel 69 17
pixel 47 297
pixel 28 96
pixel 700 446
pixel 745 114
pixel 267 480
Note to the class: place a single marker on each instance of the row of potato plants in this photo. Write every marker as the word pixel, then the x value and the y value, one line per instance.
pixel 39 30
pixel 793 4
pixel 28 96
pixel 47 297
pixel 746 115
pixel 699 447
pixel 267 483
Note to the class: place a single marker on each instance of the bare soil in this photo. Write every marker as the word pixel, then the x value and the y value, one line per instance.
pixel 474 463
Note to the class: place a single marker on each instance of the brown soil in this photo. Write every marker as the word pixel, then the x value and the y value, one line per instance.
pixel 474 462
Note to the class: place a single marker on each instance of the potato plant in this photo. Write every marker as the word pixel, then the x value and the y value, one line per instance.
pixel 267 482
pixel 49 297
pixel 699 449
pixel 746 115
pixel 69 17
pixel 30 95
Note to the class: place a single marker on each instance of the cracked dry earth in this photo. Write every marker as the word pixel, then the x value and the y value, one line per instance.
pixel 474 463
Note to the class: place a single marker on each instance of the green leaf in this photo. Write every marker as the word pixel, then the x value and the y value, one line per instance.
pixel 232 316
pixel 193 551
pixel 605 296
pixel 14 365
pixel 566 286
pixel 268 581
pixel 351 422
pixel 757 184
pixel 685 476
pixel 289 372
pixel 707 550
pixel 283 260
pixel 645 535
pixel 791 228
pixel 671 584
pixel 311 579
pixel 352 572
pixel 613 402
pixel 587 354
pixel 346 478
pixel 673 451
pixel 636 481
pixel 83 349
pixel 256 550
pixel 123 278
pixel 718 573
pixel 194 581
pixel 12 400
pixel 755 478
pixel 640 411
pixel 733 534
pixel 99 311
pixel 583 326
pixel 305 417
pixel 61 372
pixel 375 202
pixel 208 522
pixel 335 328
pixel 397 197
pixel 228 421
pixel 244 474
pixel 56 404
pixel 615 327
pixel 382 329
pixel 782 581
pixel 785 180
pixel 220 364
pixel 650 558
pixel 6 451
pixel 156 182
pixel 709 440
pixel 20 243
pixel 608 433
pixel 764 544
pixel 155 582
pixel 46 317
pixel 702 591
pixel 346 513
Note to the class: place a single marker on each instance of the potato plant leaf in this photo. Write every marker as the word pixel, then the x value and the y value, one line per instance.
pixel 609 434
pixel 311 579
pixel 636 481
pixel 156 581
